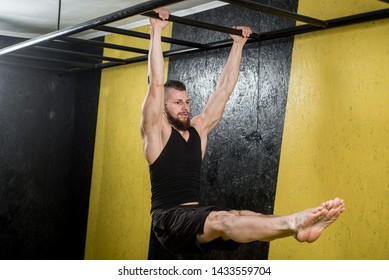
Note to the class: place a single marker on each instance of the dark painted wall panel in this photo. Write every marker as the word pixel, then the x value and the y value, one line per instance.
pixel 47 127
pixel 85 120
pixel 241 166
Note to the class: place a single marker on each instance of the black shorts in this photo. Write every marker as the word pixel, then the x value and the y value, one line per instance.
pixel 177 229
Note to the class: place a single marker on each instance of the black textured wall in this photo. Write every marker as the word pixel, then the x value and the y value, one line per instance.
pixel 47 129
pixel 241 165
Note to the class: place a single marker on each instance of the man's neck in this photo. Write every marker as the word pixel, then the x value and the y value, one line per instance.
pixel 184 133
pixel 180 130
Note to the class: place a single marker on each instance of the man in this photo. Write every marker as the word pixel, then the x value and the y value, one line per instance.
pixel 174 147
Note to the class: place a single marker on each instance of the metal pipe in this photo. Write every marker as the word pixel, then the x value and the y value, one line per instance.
pixel 85 55
pixel 171 53
pixel 147 36
pixel 102 45
pixel 21 64
pixel 128 12
pixel 59 14
pixel 332 23
pixel 275 11
pixel 54 60
pixel 203 25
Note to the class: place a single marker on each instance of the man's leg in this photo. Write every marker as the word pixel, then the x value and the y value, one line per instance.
pixel 305 226
pixel 245 213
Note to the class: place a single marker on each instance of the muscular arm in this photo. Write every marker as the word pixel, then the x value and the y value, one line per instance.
pixel 152 110
pixel 214 109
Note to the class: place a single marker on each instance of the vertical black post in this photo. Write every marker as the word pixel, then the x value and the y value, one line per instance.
pixel 59 15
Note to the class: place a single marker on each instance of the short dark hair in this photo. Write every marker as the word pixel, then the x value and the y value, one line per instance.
pixel 175 84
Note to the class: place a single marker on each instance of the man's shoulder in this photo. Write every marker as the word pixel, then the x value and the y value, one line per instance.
pixel 197 121
pixel 197 124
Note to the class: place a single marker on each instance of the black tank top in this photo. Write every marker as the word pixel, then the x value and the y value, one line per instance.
pixel 175 174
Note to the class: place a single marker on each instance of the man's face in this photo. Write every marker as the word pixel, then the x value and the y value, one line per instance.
pixel 177 108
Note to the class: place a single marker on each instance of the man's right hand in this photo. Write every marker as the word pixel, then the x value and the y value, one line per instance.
pixel 162 22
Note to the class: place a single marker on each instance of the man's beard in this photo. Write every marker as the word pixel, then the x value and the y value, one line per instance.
pixel 177 123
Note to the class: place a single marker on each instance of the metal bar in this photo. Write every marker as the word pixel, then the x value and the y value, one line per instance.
pixel 59 14
pixel 334 23
pixel 275 11
pixel 19 64
pixel 128 61
pixel 136 34
pixel 199 24
pixel 103 45
pixel 171 53
pixel 128 12
pixel 86 55
pixel 53 60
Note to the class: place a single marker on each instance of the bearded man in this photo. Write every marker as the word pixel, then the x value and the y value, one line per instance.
pixel 174 147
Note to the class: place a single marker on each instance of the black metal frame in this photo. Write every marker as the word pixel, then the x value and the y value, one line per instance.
pixel 19 54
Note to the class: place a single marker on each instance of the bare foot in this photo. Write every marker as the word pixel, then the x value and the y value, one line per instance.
pixel 317 219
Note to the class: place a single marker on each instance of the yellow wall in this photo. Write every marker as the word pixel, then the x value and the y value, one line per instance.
pixel 336 134
pixel 119 221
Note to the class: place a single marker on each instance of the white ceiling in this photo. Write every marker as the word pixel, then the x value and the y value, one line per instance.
pixel 31 18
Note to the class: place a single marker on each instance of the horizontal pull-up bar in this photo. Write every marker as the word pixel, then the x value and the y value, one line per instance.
pixel 147 36
pixel 275 11
pixel 332 23
pixel 171 53
pixel 79 54
pixel 102 45
pixel 55 60
pixel 33 66
pixel 203 25
pixel 128 12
